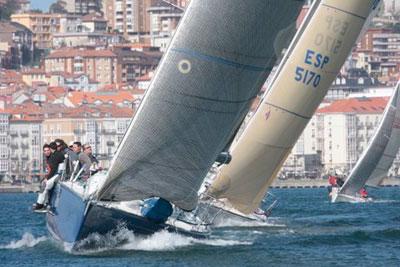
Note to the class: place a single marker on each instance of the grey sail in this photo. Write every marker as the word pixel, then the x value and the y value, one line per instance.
pixel 378 156
pixel 215 65
pixel 389 154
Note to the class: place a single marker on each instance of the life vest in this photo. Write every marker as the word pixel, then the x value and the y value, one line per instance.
pixel 332 180
pixel 363 193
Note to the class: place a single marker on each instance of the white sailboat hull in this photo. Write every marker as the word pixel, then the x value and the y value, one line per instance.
pixel 220 214
pixel 336 197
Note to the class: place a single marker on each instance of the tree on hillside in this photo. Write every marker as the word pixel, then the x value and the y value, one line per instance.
pixel 396 27
pixel 58 7
pixel 7 9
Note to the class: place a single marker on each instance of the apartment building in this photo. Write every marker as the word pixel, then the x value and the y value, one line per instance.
pixel 164 19
pixel 42 25
pixel 103 127
pixel 82 7
pixel 134 64
pixel 130 18
pixel 4 143
pixel 336 136
pixel 379 53
pixel 26 157
pixel 99 65
pixel 344 129
pixel 16 46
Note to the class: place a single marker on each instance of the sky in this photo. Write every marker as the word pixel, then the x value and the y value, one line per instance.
pixel 41 4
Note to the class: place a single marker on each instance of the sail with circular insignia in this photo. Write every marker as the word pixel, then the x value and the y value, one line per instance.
pixel 293 96
pixel 220 56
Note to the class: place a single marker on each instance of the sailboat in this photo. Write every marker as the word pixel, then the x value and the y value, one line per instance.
pixel 316 55
pixel 374 163
pixel 221 54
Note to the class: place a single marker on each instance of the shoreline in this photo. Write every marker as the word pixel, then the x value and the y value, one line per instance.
pixel 289 183
pixel 322 183
pixel 26 188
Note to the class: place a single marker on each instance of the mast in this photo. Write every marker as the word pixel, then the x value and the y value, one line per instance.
pixel 289 104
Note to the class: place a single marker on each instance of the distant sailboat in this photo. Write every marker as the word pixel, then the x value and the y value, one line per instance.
pixel 313 62
pixel 214 67
pixel 377 158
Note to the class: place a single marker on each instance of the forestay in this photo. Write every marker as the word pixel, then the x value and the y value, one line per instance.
pixel 214 67
pixel 291 101
pixel 377 158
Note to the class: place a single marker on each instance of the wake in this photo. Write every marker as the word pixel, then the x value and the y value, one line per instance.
pixel 269 223
pixel 125 240
pixel 27 241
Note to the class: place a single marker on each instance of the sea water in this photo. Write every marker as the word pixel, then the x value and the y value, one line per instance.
pixel 305 230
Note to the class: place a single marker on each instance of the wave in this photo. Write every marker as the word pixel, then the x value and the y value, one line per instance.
pixel 27 240
pixel 124 239
pixel 385 201
pixel 230 222
pixel 345 238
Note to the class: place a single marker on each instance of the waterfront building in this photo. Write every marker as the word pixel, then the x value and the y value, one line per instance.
pixel 26 157
pixel 336 136
pixel 103 127
pixel 4 143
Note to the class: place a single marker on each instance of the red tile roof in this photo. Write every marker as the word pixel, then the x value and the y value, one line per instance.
pixel 99 112
pixel 33 71
pixel 70 52
pixel 93 17
pixel 77 98
pixel 356 105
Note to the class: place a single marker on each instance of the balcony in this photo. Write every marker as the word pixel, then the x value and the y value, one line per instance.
pixel 14 156
pixel 109 131
pixel 103 157
pixel 24 133
pixel 13 133
pixel 24 156
pixel 79 131
pixel 14 146
pixel 110 143
pixel 24 145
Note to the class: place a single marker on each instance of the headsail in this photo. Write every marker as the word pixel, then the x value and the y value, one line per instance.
pixel 295 93
pixel 377 158
pixel 215 65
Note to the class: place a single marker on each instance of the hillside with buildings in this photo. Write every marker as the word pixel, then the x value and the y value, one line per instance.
pixel 80 72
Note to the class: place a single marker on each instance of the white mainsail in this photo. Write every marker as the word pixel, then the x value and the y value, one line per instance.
pixel 389 154
pixel 295 94
pixel 377 158
pixel 214 67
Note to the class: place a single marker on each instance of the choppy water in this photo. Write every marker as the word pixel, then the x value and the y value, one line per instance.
pixel 305 230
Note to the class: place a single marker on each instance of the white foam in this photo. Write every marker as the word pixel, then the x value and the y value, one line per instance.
pixel 27 240
pixel 124 239
pixel 385 201
pixel 242 223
